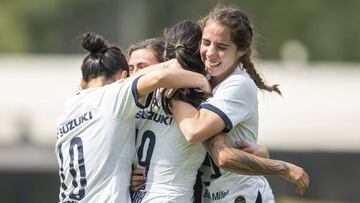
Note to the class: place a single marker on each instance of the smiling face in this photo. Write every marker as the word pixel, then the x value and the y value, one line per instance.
pixel 219 54
pixel 141 58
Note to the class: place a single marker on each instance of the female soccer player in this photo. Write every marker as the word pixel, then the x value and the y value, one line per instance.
pixel 95 145
pixel 225 50
pixel 171 163
pixel 145 53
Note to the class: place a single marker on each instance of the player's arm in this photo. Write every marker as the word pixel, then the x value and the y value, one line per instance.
pixel 242 162
pixel 196 125
pixel 257 150
pixel 170 75
pixel 153 67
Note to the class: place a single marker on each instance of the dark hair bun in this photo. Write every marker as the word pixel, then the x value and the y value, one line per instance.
pixel 92 42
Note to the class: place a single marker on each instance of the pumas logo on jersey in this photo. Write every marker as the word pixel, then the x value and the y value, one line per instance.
pixel 158 118
pixel 216 195
pixel 73 124
pixel 240 199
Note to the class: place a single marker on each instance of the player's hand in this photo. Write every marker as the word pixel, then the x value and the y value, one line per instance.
pixel 257 150
pixel 138 179
pixel 298 176
pixel 170 92
pixel 246 147
pixel 206 87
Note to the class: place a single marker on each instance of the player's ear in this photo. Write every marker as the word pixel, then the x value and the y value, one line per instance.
pixel 120 75
pixel 123 74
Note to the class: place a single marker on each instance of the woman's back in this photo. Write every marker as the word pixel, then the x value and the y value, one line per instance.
pixel 171 162
pixel 95 144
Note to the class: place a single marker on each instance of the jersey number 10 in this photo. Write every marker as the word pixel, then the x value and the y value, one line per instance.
pixel 78 191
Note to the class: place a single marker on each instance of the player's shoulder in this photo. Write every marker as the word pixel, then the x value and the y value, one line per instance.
pixel 243 79
pixel 122 86
pixel 233 82
pixel 238 84
pixel 240 76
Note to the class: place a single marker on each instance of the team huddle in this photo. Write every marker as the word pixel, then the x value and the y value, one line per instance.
pixel 175 121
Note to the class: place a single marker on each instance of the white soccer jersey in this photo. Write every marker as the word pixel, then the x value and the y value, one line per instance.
pixel 170 162
pixel 95 143
pixel 235 101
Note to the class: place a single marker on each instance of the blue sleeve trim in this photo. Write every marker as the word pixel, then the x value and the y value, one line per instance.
pixel 136 96
pixel 228 124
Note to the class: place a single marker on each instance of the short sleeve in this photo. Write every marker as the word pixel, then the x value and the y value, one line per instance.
pixel 125 99
pixel 137 99
pixel 231 102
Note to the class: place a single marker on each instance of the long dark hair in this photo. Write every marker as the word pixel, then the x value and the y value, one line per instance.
pixel 103 59
pixel 182 42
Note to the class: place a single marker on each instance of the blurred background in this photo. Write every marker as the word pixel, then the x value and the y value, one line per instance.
pixel 310 47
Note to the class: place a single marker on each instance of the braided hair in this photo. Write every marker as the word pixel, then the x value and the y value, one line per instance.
pixel 241 32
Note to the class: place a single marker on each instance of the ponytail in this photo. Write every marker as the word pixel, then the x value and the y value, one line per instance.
pixel 182 43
